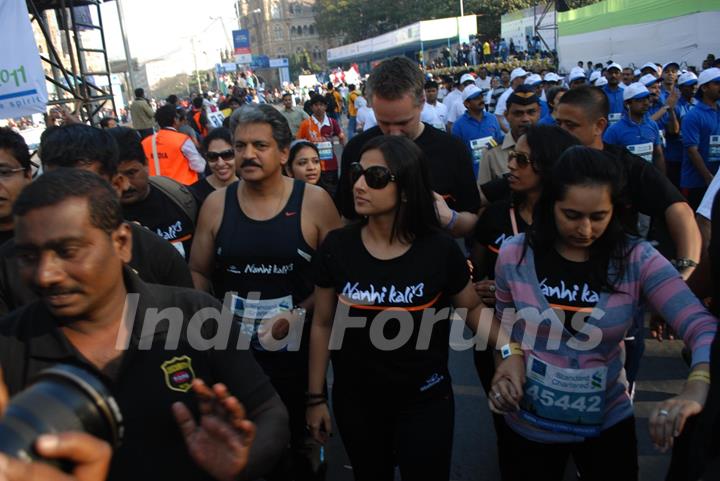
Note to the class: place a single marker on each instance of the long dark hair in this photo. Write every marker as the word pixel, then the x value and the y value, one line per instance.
pixel 547 143
pixel 585 166
pixel 415 216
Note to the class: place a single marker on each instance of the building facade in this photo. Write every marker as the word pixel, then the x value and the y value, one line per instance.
pixel 281 28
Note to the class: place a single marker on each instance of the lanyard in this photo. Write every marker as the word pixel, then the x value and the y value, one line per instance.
pixel 513 221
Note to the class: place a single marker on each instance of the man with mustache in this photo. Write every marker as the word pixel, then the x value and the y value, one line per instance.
pixel 255 240
pixel 159 203
pixel 95 313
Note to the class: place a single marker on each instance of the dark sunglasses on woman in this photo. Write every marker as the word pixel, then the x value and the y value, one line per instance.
pixel 225 154
pixel 376 176
pixel 521 158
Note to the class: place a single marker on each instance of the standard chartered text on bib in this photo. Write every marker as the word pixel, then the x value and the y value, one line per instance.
pixel 564 400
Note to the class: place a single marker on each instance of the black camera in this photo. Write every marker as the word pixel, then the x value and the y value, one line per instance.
pixel 62 398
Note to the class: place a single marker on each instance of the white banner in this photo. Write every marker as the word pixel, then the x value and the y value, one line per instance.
pixel 22 80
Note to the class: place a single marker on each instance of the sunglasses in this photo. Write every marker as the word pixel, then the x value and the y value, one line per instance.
pixel 376 176
pixel 521 158
pixel 225 154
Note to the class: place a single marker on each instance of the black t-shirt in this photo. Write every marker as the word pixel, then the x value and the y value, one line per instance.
pixel 164 217
pixel 422 280
pixel 649 190
pixel 150 377
pixel 493 228
pixel 566 286
pixel 201 190
pixel 153 259
pixel 449 165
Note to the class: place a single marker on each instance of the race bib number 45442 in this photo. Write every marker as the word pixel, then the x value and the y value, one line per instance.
pixel 564 400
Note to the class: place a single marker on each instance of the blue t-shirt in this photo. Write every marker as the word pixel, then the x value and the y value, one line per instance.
pixel 640 139
pixel 547 120
pixel 477 135
pixel 617 105
pixel 544 108
pixel 674 147
pixel 700 128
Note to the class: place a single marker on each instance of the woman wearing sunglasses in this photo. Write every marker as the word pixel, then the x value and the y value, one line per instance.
pixel 575 280
pixel 220 156
pixel 304 162
pixel 384 287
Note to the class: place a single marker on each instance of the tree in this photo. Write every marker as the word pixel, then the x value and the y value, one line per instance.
pixel 354 20
pixel 302 63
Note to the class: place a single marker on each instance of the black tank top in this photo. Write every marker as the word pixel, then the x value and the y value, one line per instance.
pixel 269 257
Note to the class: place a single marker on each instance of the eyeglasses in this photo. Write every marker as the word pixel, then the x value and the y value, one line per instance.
pixel 6 173
pixel 521 158
pixel 376 176
pixel 225 154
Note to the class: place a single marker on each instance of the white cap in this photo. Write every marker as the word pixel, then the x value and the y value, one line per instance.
pixel 709 75
pixel 637 72
pixel 649 65
pixel 594 76
pixel 517 73
pixel 648 79
pixel 467 78
pixel 671 63
pixel 687 78
pixel 635 91
pixel 600 82
pixel 575 74
pixel 615 65
pixel 552 77
pixel 470 92
pixel 533 79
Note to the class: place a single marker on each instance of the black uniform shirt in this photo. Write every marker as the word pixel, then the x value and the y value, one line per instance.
pixel 148 381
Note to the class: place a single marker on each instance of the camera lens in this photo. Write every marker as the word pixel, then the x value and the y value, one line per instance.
pixel 62 398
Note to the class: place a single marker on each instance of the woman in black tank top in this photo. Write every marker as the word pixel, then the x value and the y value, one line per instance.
pixel 388 272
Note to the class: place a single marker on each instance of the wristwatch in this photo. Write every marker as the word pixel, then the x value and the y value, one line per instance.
pixel 682 263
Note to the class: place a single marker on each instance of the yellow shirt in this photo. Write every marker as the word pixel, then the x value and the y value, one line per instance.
pixel 352 111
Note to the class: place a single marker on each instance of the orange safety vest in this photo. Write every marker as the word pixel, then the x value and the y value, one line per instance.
pixel 196 118
pixel 173 162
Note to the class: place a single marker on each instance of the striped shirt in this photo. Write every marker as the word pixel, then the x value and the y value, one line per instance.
pixel 648 276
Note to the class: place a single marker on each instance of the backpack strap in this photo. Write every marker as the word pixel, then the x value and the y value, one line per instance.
pixel 179 194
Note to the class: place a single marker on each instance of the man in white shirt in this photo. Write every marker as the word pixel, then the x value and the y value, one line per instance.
pixel 435 113
pixel 483 81
pixel 517 78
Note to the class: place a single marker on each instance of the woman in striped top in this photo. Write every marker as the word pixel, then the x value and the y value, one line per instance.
pixel 566 292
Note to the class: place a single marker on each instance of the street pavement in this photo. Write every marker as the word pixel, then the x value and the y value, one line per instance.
pixel 662 375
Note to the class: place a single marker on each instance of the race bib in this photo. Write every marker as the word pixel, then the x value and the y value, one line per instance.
pixel 714 151
pixel 325 150
pixel 643 150
pixel 478 147
pixel 614 118
pixel 562 400
pixel 252 312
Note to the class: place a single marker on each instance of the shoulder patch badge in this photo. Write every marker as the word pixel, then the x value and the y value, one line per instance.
pixel 178 373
